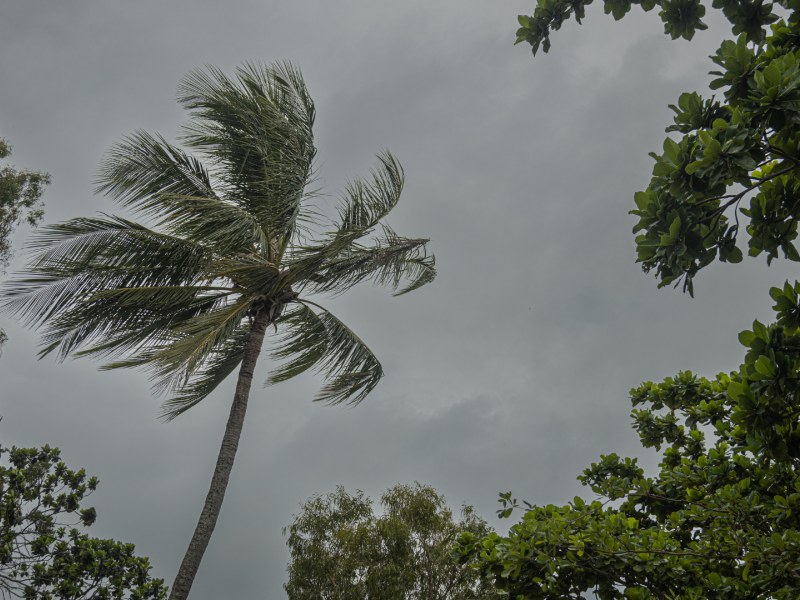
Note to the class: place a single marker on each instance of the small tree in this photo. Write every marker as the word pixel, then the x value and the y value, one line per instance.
pixel 42 553
pixel 341 551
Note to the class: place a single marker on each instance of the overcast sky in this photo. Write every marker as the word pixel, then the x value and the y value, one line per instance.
pixel 511 371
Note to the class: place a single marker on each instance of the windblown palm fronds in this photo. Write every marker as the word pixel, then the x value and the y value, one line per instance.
pixel 225 242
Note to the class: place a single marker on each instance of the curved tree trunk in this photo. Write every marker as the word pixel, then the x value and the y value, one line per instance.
pixel 222 472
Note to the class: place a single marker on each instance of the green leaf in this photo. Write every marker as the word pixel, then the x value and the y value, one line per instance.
pixel 672 150
pixel 642 200
pixel 734 255
pixel 764 366
pixel 675 228
pixel 745 337
pixel 692 167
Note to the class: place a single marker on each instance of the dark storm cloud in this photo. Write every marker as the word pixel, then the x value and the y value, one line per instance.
pixel 510 372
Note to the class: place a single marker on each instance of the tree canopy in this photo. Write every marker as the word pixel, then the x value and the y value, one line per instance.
pixel 720 518
pixel 43 554
pixel 341 550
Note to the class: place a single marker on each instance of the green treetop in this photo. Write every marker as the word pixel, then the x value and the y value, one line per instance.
pixel 720 520
pixel 341 550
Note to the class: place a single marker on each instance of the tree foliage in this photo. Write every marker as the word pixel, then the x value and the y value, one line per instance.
pixel 681 18
pixel 340 550
pixel 720 518
pixel 20 202
pixel 43 554
pixel 731 165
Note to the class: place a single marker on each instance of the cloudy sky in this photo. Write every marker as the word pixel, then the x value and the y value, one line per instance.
pixel 511 371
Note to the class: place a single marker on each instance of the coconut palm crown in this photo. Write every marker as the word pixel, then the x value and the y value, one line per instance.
pixel 231 247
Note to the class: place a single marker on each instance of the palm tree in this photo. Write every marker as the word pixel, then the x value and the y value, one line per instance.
pixel 229 251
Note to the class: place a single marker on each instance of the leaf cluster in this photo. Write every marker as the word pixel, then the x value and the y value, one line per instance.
pixel 43 555
pixel 737 159
pixel 20 202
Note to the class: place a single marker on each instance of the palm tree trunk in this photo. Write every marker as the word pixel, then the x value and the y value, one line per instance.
pixel 222 472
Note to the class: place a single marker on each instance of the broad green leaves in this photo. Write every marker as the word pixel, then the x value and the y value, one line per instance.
pixel 682 18
pixel 730 155
pixel 720 519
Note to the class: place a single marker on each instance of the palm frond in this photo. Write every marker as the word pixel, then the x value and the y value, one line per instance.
pixel 132 330
pixel 304 341
pixel 323 342
pixel 159 180
pixel 361 208
pixel 251 274
pixel 102 325
pixel 220 363
pixel 143 167
pixel 77 259
pixel 364 203
pixel 109 284
pixel 390 261
pixel 114 243
pixel 188 344
pixel 257 130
